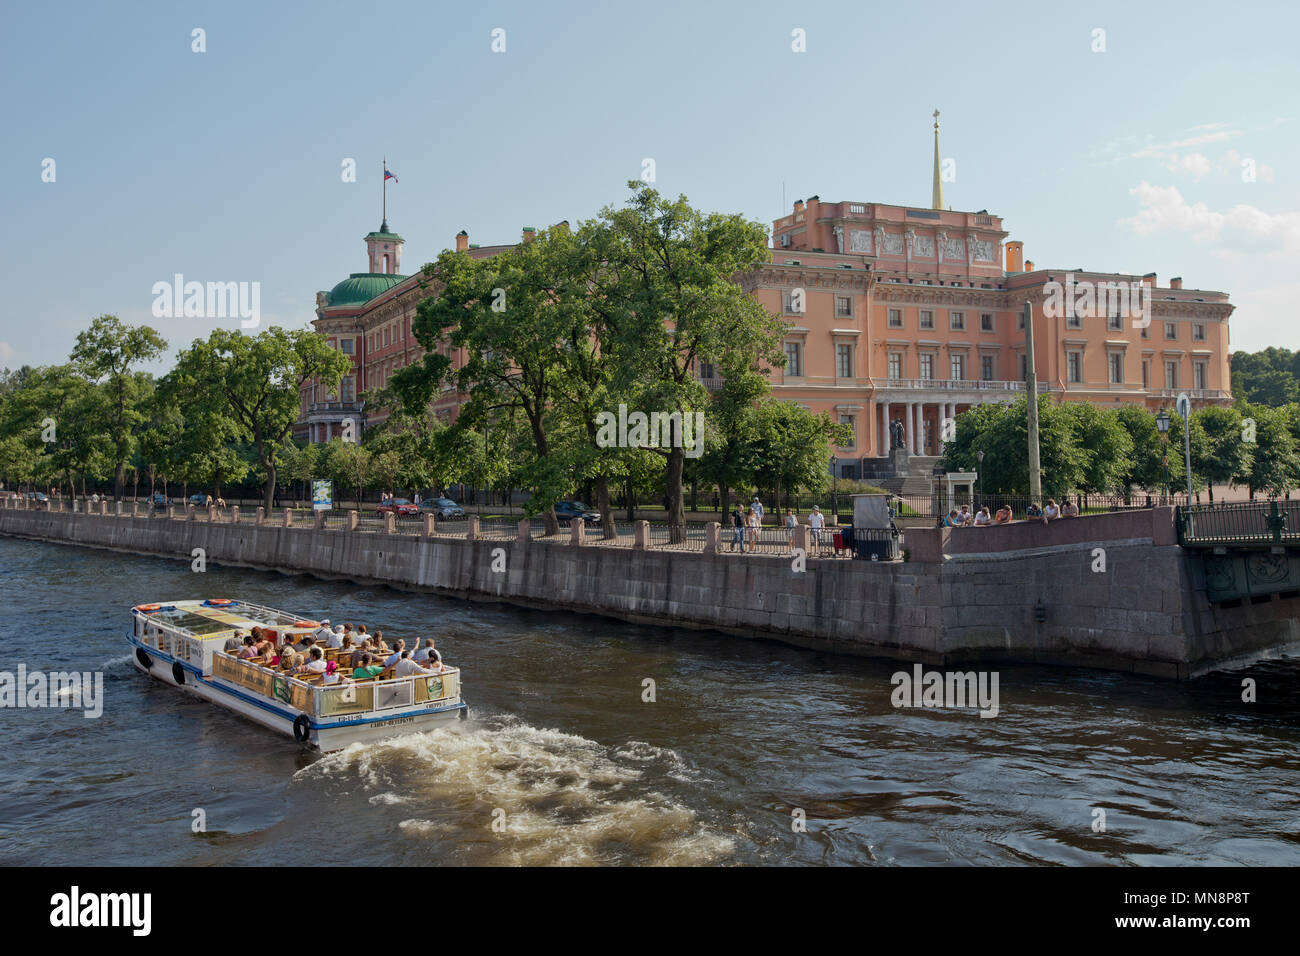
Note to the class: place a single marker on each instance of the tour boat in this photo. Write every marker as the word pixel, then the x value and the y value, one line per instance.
pixel 183 643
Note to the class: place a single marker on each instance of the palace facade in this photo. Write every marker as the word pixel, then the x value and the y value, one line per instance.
pixel 895 313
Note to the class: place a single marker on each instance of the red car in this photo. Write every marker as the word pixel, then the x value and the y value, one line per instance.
pixel 400 507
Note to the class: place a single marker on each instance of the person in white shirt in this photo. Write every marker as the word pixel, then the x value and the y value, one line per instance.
pixel 323 632
pixel 399 651
pixel 317 663
pixel 335 637
pixel 983 517
pixel 758 508
pixel 407 667
pixel 422 654
pixel 816 521
pixel 1051 512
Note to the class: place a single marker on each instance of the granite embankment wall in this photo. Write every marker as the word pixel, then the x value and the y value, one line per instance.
pixel 965 595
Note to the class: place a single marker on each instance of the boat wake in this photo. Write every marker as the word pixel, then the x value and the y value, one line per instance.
pixel 499 791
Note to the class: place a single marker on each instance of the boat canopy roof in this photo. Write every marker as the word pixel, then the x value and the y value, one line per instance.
pixel 219 618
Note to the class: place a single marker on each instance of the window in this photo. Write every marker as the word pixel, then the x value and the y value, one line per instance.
pixel 385 335
pixel 1074 367
pixel 852 422
pixel 1198 332
pixel 927 366
pixel 927 319
pixel 895 318
pixel 957 365
pixel 1146 331
pixel 1144 376
pixel 345 346
pixel 1117 368
pixel 1171 375
pixel 793 367
pixel 843 306
pixel 345 390
pixel 1198 375
pixel 1115 322
pixel 986 321
pixel 1024 368
pixel 706 370
pixel 788 303
pixel 1171 330
pixel 895 365
pixel 986 367
pixel 1020 321
pixel 957 321
pixel 843 361
pixel 1071 322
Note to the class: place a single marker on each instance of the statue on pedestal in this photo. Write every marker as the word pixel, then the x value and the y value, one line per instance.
pixel 896 434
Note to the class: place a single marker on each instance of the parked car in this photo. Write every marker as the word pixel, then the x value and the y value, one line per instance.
pixel 198 500
pixel 444 508
pixel 159 500
pixel 567 510
pixel 401 507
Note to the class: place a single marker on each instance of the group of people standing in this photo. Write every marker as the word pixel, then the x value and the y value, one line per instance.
pixel 746 523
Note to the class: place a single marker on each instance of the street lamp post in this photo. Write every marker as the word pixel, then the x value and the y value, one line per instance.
pixel 1162 426
pixel 979 475
pixel 1184 407
pixel 835 489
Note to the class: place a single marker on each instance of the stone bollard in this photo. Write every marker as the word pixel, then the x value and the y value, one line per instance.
pixel 212 514
pixel 75 502
pixel 135 509
pixel 801 538
pixel 711 537
pixel 429 527
pixel 524 532
pixel 390 523
pixel 103 507
pixel 234 515
pixel 189 511
pixel 171 511
pixel 577 532
pixel 288 518
pixel 117 508
pixel 261 514
pixel 319 520
pixel 641 535
pixel 354 520
pixel 472 532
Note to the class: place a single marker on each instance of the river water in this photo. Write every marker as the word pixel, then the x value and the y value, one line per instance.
pixel 560 748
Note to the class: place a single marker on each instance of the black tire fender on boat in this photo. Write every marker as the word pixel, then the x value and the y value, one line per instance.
pixel 178 673
pixel 145 660
pixel 302 729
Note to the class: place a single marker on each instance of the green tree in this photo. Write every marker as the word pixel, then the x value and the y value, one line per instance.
pixel 255 380
pixel 106 353
pixel 1222 454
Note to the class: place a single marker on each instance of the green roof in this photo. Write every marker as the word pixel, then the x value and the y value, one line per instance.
pixel 385 233
pixel 361 287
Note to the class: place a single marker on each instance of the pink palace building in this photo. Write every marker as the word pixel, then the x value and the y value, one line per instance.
pixel 895 313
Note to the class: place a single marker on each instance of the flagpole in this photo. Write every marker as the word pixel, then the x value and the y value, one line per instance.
pixel 385 189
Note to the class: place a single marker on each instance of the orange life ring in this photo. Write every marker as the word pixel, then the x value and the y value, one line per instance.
pixel 147 607
pixel 306 623
pixel 218 602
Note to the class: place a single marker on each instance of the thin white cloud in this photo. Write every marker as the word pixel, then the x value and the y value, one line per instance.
pixel 1162 150
pixel 6 351
pixel 1196 165
pixel 1242 230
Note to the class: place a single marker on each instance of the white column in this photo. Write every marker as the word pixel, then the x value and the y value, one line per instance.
pixel 907 425
pixel 882 435
pixel 918 410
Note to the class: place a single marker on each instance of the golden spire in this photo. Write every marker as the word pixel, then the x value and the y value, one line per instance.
pixel 936 193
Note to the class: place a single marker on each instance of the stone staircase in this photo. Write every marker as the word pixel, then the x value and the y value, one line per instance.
pixel 917 483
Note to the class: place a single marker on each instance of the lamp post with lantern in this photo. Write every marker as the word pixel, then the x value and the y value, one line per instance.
pixel 835 489
pixel 1162 426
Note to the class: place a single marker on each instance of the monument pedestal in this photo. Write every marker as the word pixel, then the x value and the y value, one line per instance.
pixel 898 462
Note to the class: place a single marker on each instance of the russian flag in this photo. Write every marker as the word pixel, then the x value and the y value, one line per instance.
pixel 388 175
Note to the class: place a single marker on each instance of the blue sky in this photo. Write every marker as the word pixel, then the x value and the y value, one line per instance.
pixel 225 165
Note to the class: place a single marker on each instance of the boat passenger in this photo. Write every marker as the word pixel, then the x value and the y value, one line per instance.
pixel 367 669
pixel 250 648
pixel 335 637
pixel 407 667
pixel 380 646
pixel 288 660
pixel 332 676
pixel 422 654
pixel 364 650
pixel 399 651
pixel 233 645
pixel 324 631
pixel 347 644
pixel 317 663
